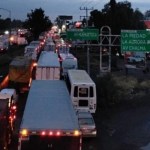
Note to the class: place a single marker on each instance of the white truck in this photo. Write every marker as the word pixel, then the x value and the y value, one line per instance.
pixel 4 43
pixel 48 66
pixel 68 61
pixel 31 51
pixel 49 120
pixel 18 39
pixel 50 46
pixel 8 98
pixel 82 90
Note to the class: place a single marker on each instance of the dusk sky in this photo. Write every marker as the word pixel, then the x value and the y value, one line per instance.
pixel 54 8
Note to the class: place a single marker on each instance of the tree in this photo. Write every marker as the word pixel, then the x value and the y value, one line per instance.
pixel 118 16
pixel 5 24
pixel 37 22
pixel 96 18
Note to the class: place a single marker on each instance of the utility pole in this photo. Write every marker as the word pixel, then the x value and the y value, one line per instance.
pixel 86 11
pixel 86 16
pixel 82 17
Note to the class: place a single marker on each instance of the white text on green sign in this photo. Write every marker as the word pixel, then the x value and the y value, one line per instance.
pixel 83 34
pixel 135 40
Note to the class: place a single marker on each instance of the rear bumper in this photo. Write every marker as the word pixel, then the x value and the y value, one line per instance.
pixel 89 134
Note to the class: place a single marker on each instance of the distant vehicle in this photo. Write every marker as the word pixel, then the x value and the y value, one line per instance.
pixel 49 120
pixel 82 90
pixel 4 43
pixel 31 51
pixel 35 43
pixel 42 36
pixel 48 66
pixel 87 124
pixel 4 119
pixel 38 44
pixel 20 73
pixel 3 46
pixel 50 46
pixel 68 61
pixel 11 97
pixel 134 59
pixel 49 39
pixel 18 39
pixel 9 93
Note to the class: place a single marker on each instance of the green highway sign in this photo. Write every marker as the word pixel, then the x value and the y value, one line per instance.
pixel 83 34
pixel 135 40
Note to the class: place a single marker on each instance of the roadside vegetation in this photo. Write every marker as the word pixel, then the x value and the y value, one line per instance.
pixel 114 90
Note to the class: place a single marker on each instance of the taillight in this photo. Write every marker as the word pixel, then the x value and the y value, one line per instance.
pixel 50 133
pixel 58 133
pixel 14 107
pixel 43 133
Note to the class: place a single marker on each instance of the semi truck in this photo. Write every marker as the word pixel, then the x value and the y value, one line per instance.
pixel 31 52
pixel 20 73
pixel 68 61
pixel 3 122
pixel 49 120
pixel 8 98
pixel 4 43
pixel 48 66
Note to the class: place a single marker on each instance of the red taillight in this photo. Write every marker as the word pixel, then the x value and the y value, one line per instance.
pixel 50 133
pixel 43 133
pixel 58 133
pixel 12 117
pixel 14 107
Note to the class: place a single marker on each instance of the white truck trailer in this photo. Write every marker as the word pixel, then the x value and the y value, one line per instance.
pixel 31 51
pixel 49 120
pixel 68 61
pixel 48 66
pixel 4 43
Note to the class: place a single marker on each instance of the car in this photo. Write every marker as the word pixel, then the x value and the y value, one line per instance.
pixel 86 124
pixel 134 59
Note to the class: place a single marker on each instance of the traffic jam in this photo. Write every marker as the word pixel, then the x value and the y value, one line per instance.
pixel 39 63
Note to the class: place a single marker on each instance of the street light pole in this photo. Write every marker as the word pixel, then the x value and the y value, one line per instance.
pixel 10 22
